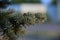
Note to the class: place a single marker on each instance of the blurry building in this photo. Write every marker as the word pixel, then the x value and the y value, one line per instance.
pixel 34 8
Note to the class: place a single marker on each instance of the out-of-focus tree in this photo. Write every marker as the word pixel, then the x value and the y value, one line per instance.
pixel 4 3
pixel 26 1
pixel 54 2
pixel 13 25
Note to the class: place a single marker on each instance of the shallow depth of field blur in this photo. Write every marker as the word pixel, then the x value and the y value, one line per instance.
pixel 46 31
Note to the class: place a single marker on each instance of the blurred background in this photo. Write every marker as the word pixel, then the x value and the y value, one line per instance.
pixel 47 31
